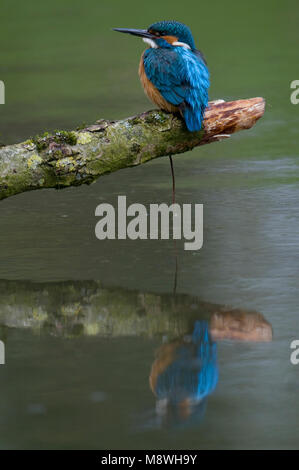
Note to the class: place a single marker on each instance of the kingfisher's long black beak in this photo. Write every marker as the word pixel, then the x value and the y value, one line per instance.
pixel 136 32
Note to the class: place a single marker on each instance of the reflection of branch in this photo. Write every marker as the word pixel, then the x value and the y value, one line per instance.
pixel 65 159
pixel 240 325
pixel 86 307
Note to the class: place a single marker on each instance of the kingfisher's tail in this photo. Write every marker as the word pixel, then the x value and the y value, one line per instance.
pixel 207 354
pixel 193 117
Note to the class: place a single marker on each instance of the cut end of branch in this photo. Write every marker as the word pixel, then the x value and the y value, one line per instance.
pixel 225 118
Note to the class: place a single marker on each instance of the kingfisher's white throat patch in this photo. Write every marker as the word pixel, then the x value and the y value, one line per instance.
pixel 150 42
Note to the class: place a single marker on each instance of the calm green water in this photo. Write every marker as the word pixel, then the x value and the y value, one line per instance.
pixel 82 319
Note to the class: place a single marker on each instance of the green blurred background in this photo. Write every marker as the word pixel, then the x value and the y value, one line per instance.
pixel 63 65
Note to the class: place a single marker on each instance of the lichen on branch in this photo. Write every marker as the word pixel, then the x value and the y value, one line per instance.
pixel 71 158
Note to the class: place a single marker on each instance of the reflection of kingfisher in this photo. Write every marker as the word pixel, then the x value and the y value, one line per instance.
pixel 185 373
pixel 173 73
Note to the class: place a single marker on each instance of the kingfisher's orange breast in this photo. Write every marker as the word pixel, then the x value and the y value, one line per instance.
pixel 152 92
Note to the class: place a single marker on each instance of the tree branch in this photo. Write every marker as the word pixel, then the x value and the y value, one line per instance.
pixel 63 159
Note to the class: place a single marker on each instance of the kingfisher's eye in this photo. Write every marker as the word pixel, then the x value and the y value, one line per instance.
pixel 155 33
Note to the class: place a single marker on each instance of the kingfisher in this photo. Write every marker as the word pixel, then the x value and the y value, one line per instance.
pixel 185 371
pixel 173 73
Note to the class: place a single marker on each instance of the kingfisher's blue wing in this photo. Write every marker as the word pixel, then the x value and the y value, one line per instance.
pixel 182 78
pixel 193 372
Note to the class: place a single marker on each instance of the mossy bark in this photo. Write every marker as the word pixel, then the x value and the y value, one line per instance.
pixel 64 159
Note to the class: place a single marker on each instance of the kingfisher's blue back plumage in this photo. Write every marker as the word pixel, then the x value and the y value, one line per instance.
pixel 182 78
pixel 173 73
